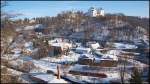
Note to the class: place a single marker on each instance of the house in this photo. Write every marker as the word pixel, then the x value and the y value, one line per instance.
pixel 93 45
pixel 39 28
pixel 86 59
pixel 86 70
pixel 59 48
pixel 28 47
pixel 104 61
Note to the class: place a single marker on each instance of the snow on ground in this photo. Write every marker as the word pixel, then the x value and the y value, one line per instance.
pixel 49 78
pixel 138 63
pixel 45 65
pixel 55 80
pixel 26 79
pixel 90 79
pixel 37 70
pixel 19 61
pixel 72 57
pixel 75 78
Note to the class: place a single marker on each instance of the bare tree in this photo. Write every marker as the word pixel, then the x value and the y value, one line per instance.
pixel 7 31
pixel 6 76
pixel 123 69
pixel 136 76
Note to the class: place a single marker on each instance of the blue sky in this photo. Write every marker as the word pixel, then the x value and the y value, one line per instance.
pixel 32 9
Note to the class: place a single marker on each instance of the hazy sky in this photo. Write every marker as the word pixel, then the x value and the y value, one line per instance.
pixel 32 9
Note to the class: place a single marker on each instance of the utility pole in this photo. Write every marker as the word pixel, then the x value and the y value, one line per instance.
pixel 58 72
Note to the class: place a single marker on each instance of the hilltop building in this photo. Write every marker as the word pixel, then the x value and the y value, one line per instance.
pixel 93 12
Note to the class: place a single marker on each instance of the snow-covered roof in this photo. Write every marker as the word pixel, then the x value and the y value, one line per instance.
pixel 82 48
pixel 77 35
pixel 39 26
pixel 10 56
pixel 17 51
pixel 26 58
pixel 109 57
pixel 62 45
pixel 16 56
pixel 98 53
pixel 57 44
pixel 114 52
pixel 28 44
pixel 124 46
pixel 78 44
pixel 29 49
pixel 58 40
pixel 86 56
pixel 32 21
pixel 95 45
pixel 28 27
pixel 19 29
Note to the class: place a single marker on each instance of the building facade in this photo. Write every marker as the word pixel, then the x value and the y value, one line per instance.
pixel 93 12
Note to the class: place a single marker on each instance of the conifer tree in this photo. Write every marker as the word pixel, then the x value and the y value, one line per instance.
pixel 136 76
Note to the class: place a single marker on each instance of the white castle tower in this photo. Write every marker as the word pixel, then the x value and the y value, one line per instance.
pixel 92 12
pixel 95 12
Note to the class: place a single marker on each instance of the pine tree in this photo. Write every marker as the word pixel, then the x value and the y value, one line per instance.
pixel 136 76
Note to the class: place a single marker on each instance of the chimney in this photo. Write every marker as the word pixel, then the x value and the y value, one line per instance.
pixel 58 72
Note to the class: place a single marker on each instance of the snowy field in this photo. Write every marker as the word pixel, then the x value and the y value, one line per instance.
pixel 72 57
